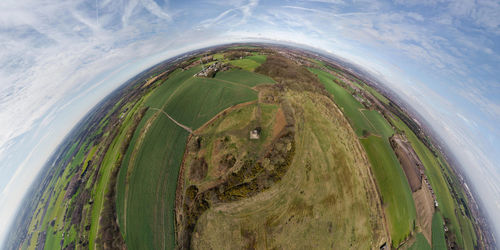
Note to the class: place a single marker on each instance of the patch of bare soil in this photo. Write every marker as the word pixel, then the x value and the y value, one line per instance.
pixel 409 161
pixel 422 196
pixel 198 169
pixel 424 204
pixel 279 123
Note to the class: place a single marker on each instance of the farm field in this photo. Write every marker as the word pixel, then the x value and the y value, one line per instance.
pixel 191 101
pixel 245 63
pixel 436 177
pixel 391 180
pixel 379 96
pixel 249 63
pixel 396 193
pixel 243 77
pixel 434 168
pixel 349 106
pixel 420 243
pixel 438 241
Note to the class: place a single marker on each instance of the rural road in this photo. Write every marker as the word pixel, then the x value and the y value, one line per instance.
pixel 188 129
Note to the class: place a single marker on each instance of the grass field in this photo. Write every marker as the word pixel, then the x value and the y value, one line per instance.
pixel 260 59
pixel 147 187
pixel 55 210
pixel 437 180
pixel 245 63
pixel 350 106
pixel 244 77
pixel 323 201
pixel 379 96
pixel 438 240
pixel 436 169
pixel 420 243
pixel 390 177
pixel 122 175
pixel 110 161
pixel 396 193
pixel 376 120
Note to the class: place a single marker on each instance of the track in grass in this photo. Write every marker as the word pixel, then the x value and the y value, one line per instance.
pixel 244 77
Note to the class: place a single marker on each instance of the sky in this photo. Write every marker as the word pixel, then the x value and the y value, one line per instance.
pixel 60 58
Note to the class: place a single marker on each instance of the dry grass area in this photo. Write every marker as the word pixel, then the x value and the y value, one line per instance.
pixel 280 123
pixel 424 204
pixel 326 199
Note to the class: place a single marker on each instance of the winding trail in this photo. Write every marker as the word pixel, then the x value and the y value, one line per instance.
pixel 188 129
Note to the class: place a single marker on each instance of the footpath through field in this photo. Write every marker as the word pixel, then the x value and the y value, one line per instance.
pixel 188 129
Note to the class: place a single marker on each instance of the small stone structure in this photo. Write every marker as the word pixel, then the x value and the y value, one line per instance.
pixel 255 134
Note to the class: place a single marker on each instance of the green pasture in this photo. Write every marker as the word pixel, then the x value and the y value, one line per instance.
pixel 244 77
pixel 394 188
pixel 438 240
pixel 146 188
pixel 420 243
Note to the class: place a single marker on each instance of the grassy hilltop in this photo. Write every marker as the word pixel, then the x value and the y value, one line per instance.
pixel 167 162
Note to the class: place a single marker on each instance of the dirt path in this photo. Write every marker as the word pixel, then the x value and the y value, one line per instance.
pixel 233 83
pixel 224 112
pixel 188 129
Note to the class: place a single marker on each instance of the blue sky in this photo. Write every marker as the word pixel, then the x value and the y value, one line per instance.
pixel 58 59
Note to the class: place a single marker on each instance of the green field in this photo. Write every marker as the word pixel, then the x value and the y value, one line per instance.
pixel 111 159
pixel 436 168
pixel 246 64
pixel 349 106
pixel 56 208
pixel 438 240
pixel 376 120
pixel 243 77
pixel 146 189
pixel 249 63
pixel 379 96
pixel 391 180
pixel 420 243
pixel 435 173
pixel 122 175
pixel 396 193
pixel 260 59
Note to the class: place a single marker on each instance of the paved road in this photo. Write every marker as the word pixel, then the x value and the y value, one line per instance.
pixel 188 129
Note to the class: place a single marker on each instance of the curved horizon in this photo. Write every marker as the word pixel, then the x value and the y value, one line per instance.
pixel 442 58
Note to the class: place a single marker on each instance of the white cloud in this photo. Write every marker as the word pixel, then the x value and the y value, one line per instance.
pixel 416 16
pixel 235 16
pixel 153 7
